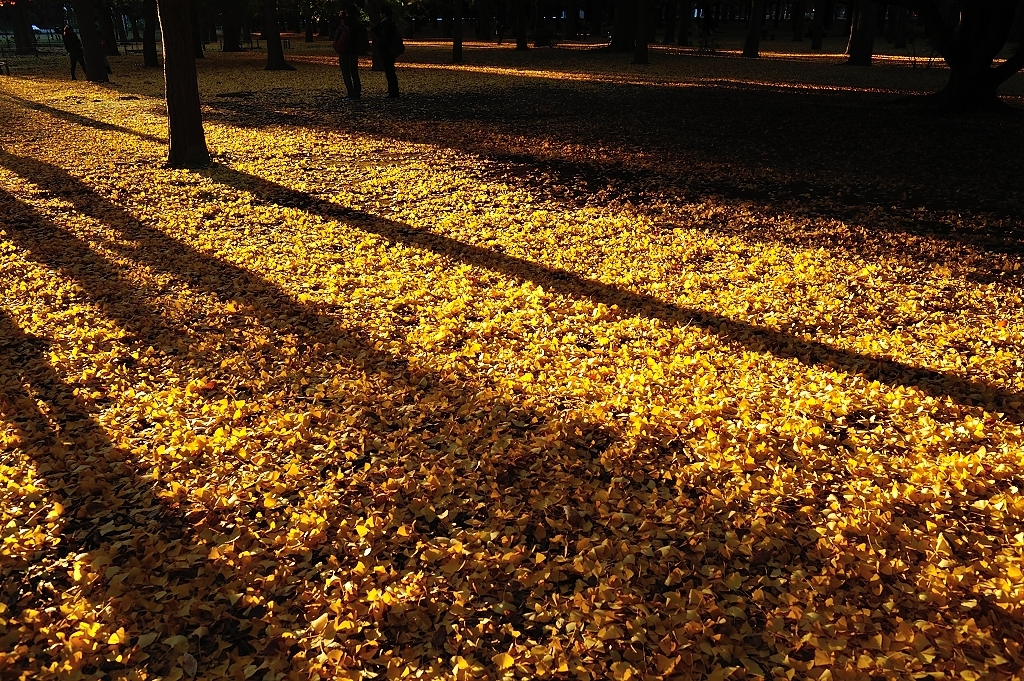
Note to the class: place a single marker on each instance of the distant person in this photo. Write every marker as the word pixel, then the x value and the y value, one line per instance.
pixel 389 45
pixel 74 47
pixel 500 30
pixel 348 40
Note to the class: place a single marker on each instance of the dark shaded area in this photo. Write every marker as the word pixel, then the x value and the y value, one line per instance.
pixel 844 156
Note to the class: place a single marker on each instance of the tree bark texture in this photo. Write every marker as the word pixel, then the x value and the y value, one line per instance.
pixel 272 36
pixel 862 34
pixel 752 45
pixel 187 139
pixel 149 56
pixel 95 61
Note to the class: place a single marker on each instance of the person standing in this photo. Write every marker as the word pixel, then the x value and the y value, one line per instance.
pixel 387 38
pixel 347 42
pixel 74 47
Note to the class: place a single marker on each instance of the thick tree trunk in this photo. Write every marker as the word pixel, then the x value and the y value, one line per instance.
pixel 643 18
pixel 671 19
pixel 24 36
pixel 624 26
pixel 862 36
pixel 457 33
pixel 752 45
pixel 149 58
pixel 187 140
pixel 818 24
pixel 272 36
pixel 798 21
pixel 521 42
pixel 95 61
pixel 968 89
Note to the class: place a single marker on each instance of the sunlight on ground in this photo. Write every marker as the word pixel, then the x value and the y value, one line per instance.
pixel 347 401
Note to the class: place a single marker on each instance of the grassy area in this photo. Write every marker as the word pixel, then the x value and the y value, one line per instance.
pixel 555 366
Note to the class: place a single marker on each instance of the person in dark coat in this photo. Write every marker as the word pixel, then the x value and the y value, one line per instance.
pixel 384 35
pixel 349 59
pixel 74 47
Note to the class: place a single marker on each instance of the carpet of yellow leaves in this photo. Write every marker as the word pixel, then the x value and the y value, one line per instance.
pixel 390 391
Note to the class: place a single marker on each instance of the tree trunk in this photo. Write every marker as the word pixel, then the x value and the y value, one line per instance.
pixel 24 36
pixel 149 58
pixel 521 42
pixel 309 37
pixel 272 36
pixel 685 23
pixel 95 61
pixel 187 140
pixel 752 45
pixel 107 29
pixel 119 31
pixel 643 17
pixel 798 21
pixel 197 38
pixel 862 34
pixel 624 26
pixel 818 24
pixel 671 19
pixel 900 37
pixel 232 27
pixel 457 33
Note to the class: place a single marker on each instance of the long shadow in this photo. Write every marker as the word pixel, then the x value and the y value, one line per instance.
pixel 749 336
pixel 79 119
pixel 100 484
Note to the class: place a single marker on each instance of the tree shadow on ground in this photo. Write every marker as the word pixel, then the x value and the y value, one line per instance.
pixel 849 157
pixel 548 464
pixel 742 334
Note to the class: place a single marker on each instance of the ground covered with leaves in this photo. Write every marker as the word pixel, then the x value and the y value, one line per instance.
pixel 555 367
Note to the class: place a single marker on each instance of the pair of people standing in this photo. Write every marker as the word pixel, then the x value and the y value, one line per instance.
pixel 349 40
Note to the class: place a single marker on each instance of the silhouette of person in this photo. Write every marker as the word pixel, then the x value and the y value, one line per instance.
pixel 349 58
pixel 74 47
pixel 385 35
